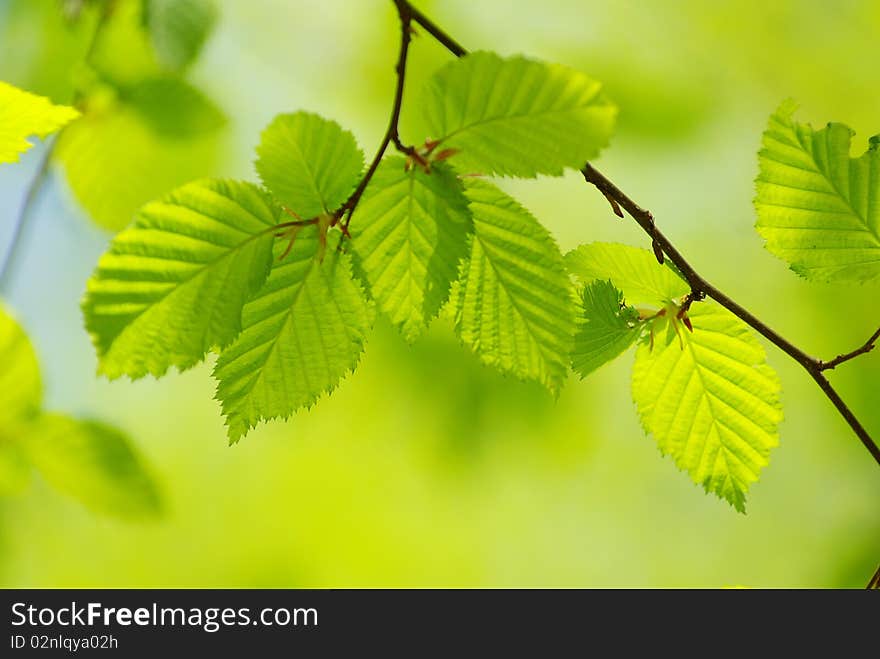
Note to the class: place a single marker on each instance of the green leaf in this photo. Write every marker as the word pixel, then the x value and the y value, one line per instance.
pixel 517 117
pixel 23 115
pixel 124 153
pixel 173 108
pixel 633 270
pixel 818 208
pixel 303 331
pixel 172 286
pixel 409 235
pixel 309 163
pixel 93 463
pixel 607 328
pixel 711 402
pixel 21 390
pixel 179 29
pixel 514 301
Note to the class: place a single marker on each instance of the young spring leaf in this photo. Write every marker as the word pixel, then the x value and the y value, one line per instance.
pixel 514 301
pixel 607 328
pixel 23 115
pixel 93 463
pixel 127 151
pixel 309 163
pixel 172 286
pixel 711 402
pixel 302 332
pixel 633 270
pixel 21 390
pixel 179 29
pixel 517 117
pixel 818 208
pixel 408 237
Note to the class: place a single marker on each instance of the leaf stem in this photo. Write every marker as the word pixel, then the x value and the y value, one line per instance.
pixel 700 287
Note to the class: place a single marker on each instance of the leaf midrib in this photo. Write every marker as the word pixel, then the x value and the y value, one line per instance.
pixel 875 232
pixel 522 115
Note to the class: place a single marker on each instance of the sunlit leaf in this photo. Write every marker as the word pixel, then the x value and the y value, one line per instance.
pixel 517 117
pixel 711 402
pixel 309 163
pixel 24 115
pixel 303 332
pixel 818 208
pixel 172 286
pixel 409 235
pixel 633 270
pixel 514 302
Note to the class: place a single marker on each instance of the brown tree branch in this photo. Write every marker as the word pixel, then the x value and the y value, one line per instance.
pixel 392 134
pixel 700 287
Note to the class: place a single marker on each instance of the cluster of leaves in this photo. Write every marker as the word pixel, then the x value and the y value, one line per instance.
pixel 274 280
pixel 288 303
pixel 143 128
pixel 87 460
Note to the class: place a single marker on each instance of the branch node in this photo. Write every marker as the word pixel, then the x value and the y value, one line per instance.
pixel 864 349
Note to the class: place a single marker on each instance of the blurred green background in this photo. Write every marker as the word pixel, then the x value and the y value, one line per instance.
pixel 425 468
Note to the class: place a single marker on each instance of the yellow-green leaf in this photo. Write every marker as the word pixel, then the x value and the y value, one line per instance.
pixel 302 333
pixel 24 115
pixel 818 208
pixel 515 116
pixel 514 303
pixel 710 401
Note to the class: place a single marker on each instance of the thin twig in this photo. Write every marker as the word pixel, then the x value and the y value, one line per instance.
pixel 10 257
pixel 700 287
pixel 867 347
pixel 406 14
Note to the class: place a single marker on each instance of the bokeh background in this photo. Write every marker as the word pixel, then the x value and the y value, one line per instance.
pixel 425 468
